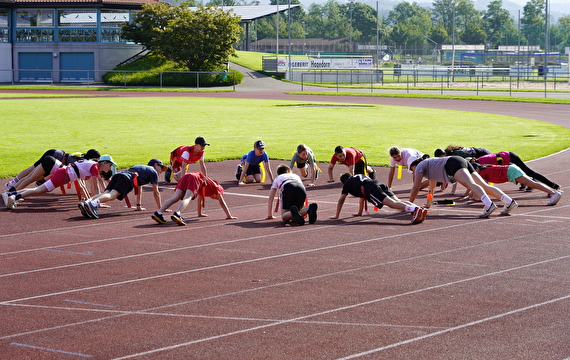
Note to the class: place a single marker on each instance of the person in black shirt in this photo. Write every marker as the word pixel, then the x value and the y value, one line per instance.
pixel 378 194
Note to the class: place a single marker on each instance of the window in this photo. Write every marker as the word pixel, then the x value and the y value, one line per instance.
pixel 77 18
pixel 34 18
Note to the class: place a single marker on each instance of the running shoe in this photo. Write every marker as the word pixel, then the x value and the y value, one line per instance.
pixel 507 209
pixel 555 197
pixel 158 218
pixel 168 175
pixel 239 170
pixel 5 198
pixel 312 212
pixel 93 210
pixel 178 219
pixel 11 202
pixel 488 210
pixel 297 217
pixel 83 208
pixel 419 215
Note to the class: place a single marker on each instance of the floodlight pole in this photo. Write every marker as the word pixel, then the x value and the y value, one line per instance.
pixel 289 35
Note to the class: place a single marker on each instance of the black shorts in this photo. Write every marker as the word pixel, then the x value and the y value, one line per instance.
pixel 293 194
pixel 47 163
pixel 376 192
pixel 253 169
pixel 301 165
pixel 122 184
pixel 456 163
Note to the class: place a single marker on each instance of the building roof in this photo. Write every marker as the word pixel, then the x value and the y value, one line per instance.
pixel 68 3
pixel 250 13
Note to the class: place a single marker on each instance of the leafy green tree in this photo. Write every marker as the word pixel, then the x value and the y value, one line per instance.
pixel 411 24
pixel 198 40
pixel 499 25
pixel 327 20
pixel 363 22
pixel 560 34
pixel 532 22
pixel 462 14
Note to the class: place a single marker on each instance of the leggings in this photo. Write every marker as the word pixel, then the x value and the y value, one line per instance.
pixel 528 171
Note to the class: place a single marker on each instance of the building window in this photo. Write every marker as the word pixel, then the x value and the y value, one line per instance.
pixel 115 18
pixel 4 27
pixel 34 18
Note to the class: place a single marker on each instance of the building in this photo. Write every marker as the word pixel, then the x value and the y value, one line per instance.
pixel 63 41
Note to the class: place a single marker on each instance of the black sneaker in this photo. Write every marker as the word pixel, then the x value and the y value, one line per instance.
pixel 300 220
pixel 312 212
pixel 168 175
pixel 239 170
pixel 93 210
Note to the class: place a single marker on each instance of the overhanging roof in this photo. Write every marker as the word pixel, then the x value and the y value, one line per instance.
pixel 250 13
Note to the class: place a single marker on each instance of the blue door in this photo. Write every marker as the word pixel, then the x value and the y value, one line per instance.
pixel 76 66
pixel 38 64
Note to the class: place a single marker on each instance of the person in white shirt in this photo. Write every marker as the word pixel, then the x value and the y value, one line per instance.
pixel 292 196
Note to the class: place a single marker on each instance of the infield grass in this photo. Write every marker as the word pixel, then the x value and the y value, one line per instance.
pixel 134 130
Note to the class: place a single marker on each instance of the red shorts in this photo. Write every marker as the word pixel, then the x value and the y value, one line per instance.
pixel 191 181
pixel 58 178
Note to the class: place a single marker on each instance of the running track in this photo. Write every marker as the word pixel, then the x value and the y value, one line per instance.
pixel 372 287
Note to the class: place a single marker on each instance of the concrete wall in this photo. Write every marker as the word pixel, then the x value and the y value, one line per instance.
pixel 106 55
pixel 5 62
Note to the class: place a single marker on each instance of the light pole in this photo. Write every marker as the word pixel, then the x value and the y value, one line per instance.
pixel 351 1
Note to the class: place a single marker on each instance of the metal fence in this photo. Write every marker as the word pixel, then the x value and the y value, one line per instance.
pixel 190 79
pixel 440 78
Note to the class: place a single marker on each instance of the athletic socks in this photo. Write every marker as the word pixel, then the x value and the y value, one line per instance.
pixel 486 200
pixel 506 199
pixel 410 208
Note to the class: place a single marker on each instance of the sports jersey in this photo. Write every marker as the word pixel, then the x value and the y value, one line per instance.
pixel 352 157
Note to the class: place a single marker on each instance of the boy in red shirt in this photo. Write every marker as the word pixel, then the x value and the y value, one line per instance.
pixel 183 156
pixel 353 158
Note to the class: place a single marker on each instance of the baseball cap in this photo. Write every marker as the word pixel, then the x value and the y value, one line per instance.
pixel 153 162
pixel 200 141
pixel 259 144
pixel 107 158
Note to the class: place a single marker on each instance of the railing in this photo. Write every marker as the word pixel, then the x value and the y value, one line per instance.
pixel 438 80
pixel 194 79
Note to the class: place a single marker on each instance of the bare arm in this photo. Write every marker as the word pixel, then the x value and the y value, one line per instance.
pixel 270 204
pixel 339 206
pixel 418 176
pixel 225 207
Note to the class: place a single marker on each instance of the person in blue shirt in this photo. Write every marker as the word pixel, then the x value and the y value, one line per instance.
pixel 252 164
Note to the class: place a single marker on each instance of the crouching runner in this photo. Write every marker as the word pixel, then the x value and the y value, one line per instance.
pixel 191 186
pixel 292 196
pixel 378 194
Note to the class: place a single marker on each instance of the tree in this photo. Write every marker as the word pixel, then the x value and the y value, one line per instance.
pixel 411 24
pixel 499 25
pixel 532 22
pixel 198 40
pixel 560 34
pixel 462 13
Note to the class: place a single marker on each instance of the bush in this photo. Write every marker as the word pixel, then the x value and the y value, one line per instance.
pixel 172 75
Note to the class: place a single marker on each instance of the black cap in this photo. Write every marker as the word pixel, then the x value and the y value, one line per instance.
pixel 200 141
pixel 259 144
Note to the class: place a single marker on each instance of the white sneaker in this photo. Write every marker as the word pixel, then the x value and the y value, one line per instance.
pixel 5 198
pixel 11 202
pixel 507 209
pixel 555 197
pixel 488 210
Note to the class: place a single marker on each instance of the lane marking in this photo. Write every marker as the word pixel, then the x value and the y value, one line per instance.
pixel 52 350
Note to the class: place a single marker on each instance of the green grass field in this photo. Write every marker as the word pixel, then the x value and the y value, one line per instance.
pixel 133 130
